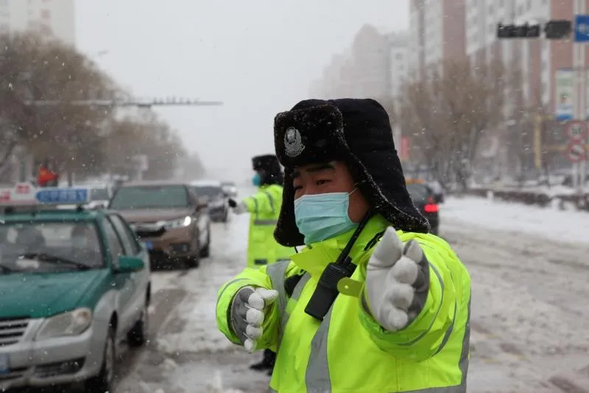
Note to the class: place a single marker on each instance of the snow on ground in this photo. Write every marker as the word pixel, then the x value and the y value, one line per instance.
pixel 529 291
pixel 565 226
pixel 189 354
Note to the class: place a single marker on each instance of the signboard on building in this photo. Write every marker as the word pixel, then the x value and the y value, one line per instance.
pixel 563 86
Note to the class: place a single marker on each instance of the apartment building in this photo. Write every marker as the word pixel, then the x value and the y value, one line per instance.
pixel 360 71
pixel 436 34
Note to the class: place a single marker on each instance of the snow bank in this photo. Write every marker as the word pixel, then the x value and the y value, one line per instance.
pixel 557 225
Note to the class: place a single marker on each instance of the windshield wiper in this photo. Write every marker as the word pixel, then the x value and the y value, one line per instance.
pixel 49 258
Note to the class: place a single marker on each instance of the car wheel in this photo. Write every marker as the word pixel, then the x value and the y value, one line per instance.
pixel 205 252
pixel 138 335
pixel 104 381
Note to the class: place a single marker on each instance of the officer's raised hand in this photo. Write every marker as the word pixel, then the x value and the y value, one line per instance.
pixel 248 311
pixel 397 281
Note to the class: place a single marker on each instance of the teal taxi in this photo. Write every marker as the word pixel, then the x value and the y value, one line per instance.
pixel 74 283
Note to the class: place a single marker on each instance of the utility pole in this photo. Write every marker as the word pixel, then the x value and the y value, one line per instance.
pixel 580 73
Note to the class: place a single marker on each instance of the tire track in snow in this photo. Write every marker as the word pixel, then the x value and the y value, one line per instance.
pixel 525 324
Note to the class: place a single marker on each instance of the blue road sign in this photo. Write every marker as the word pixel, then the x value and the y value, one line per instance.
pixel 581 28
pixel 63 196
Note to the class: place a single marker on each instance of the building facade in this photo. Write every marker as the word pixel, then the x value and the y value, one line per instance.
pixel 398 63
pixel 360 71
pixel 436 34
pixel 51 17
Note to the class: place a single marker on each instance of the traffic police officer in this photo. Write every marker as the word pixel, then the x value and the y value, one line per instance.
pixel 373 303
pixel 264 208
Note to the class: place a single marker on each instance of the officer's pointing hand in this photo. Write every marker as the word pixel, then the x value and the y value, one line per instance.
pixel 397 281
pixel 248 311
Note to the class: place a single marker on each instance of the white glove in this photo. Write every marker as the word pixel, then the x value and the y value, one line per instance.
pixel 248 310
pixel 397 281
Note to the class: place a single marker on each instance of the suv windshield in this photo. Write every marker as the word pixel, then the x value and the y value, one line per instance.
pixel 208 191
pixel 150 197
pixel 419 192
pixel 49 247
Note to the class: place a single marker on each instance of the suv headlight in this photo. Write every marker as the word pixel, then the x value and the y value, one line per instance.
pixel 70 323
pixel 179 223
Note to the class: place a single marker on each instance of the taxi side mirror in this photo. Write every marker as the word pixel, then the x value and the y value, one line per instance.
pixel 130 264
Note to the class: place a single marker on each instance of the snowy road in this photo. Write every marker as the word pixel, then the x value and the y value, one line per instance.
pixel 529 312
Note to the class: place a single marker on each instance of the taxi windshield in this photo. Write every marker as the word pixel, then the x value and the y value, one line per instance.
pixel 49 247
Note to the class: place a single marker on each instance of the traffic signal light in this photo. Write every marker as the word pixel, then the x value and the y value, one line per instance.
pixel 518 31
pixel 558 29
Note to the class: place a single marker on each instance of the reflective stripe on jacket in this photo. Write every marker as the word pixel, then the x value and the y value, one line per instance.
pixel 349 351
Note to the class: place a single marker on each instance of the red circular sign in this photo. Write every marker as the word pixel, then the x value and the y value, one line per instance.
pixel 576 130
pixel 576 152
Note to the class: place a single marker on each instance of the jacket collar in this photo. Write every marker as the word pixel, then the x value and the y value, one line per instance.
pixel 315 257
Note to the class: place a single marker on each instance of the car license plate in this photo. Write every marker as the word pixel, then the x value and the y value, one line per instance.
pixel 4 364
pixel 148 245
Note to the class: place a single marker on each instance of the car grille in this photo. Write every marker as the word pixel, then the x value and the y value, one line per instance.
pixel 11 330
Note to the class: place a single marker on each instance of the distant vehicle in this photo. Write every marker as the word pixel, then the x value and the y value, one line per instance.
pixel 437 190
pixel 424 200
pixel 211 192
pixel 229 189
pixel 168 218
pixel 74 284
pixel 99 196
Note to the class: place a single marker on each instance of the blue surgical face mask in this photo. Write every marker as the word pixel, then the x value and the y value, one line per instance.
pixel 257 180
pixel 323 216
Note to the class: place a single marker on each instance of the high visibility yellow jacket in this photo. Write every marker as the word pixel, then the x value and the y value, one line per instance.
pixel 349 352
pixel 264 209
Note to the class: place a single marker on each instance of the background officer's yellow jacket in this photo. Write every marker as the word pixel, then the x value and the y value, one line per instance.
pixel 349 351
pixel 264 209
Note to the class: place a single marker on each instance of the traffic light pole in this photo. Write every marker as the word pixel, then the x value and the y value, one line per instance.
pixel 580 94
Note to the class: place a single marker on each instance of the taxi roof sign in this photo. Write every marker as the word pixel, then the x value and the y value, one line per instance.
pixel 63 196
pixel 26 194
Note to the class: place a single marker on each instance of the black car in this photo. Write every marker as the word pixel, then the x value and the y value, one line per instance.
pixel 212 193
pixel 425 200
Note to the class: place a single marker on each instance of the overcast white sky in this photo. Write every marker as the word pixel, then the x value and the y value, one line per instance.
pixel 258 56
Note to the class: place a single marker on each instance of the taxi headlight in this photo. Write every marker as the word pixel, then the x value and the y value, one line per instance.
pixel 179 223
pixel 70 323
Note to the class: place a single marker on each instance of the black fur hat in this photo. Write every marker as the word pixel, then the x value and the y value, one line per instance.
pixel 270 166
pixel 267 162
pixel 357 132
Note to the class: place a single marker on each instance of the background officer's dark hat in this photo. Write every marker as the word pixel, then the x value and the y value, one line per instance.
pixel 267 162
